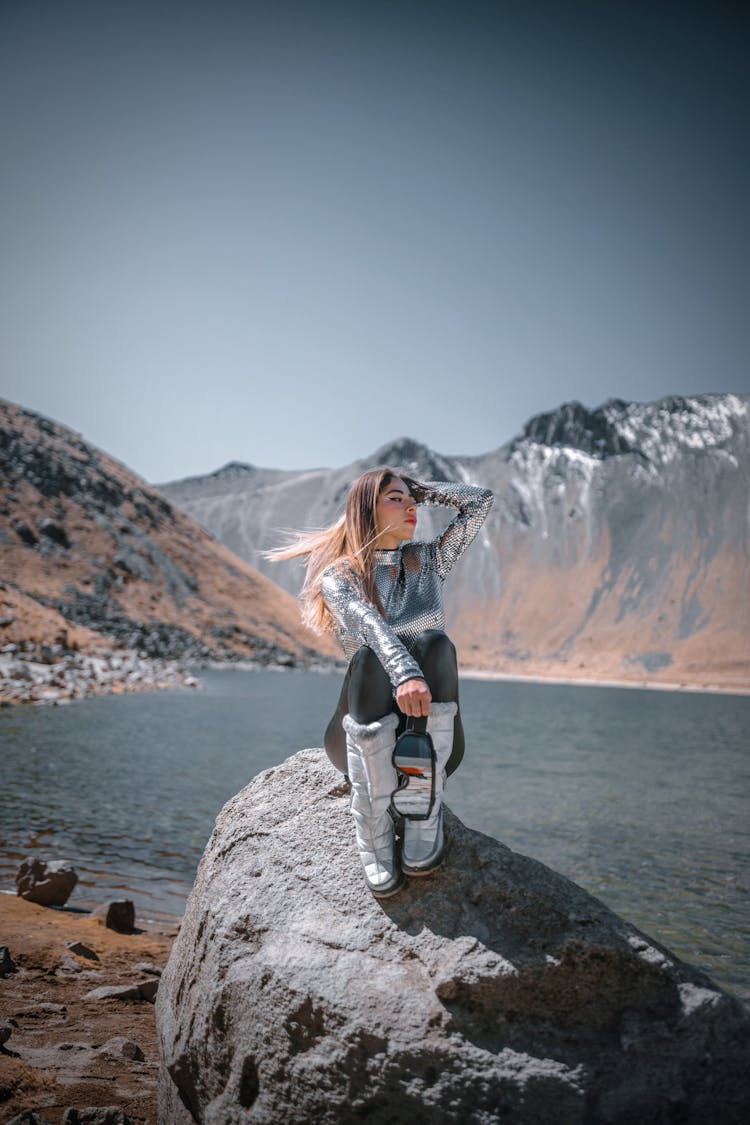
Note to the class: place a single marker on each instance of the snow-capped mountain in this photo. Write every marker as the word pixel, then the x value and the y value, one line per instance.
pixel 618 546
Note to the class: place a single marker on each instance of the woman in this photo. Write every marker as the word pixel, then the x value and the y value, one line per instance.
pixel 382 595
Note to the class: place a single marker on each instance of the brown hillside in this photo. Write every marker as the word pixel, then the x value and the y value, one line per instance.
pixel 92 557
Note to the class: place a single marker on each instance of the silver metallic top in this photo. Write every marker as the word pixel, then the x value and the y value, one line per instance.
pixel 409 581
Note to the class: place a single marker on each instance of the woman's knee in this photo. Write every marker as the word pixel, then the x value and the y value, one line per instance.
pixel 436 655
pixel 434 641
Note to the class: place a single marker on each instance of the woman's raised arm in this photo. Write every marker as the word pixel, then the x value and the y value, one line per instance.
pixel 473 504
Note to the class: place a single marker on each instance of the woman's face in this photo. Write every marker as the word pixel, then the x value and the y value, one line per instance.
pixel 395 515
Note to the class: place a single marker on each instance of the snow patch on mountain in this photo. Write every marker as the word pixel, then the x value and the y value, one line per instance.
pixel 662 430
pixel 655 432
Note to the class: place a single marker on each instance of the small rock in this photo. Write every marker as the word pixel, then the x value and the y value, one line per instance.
pixel 69 964
pixel 24 532
pixel 49 884
pixel 54 531
pixel 141 990
pixel 114 992
pixel 148 967
pixel 82 950
pixel 6 1030
pixel 96 1115
pixel 121 1048
pixel 7 964
pixel 118 915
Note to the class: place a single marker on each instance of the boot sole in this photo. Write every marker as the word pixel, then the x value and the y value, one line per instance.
pixel 376 893
pixel 412 871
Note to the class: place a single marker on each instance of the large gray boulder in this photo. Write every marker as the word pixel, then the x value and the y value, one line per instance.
pixel 493 991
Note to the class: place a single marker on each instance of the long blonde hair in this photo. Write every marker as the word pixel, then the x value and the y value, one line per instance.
pixel 351 539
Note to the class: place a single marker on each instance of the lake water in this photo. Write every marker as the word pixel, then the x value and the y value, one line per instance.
pixel 639 796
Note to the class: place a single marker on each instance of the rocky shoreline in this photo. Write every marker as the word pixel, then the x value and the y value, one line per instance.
pixel 52 674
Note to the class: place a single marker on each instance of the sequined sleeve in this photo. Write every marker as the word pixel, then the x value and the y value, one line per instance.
pixel 358 617
pixel 473 505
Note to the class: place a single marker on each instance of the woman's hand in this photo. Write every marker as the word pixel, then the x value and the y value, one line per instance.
pixel 413 698
pixel 416 488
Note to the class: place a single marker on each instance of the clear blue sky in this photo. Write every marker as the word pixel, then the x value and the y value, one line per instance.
pixel 288 232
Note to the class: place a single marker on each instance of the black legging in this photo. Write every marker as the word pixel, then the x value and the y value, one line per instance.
pixel 367 693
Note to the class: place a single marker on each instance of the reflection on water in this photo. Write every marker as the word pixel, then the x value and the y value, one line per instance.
pixel 641 797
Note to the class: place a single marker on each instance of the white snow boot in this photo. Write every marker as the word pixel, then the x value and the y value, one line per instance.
pixel 369 751
pixel 423 842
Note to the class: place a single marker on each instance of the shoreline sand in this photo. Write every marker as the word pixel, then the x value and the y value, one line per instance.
pixel 591 681
pixel 53 1058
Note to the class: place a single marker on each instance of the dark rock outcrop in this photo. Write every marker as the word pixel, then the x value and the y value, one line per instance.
pixel 54 531
pixel 7 964
pixel 24 533
pixel 48 884
pixel 493 991
pixel 574 426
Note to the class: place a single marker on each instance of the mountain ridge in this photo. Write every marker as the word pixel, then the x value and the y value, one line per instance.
pixel 600 431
